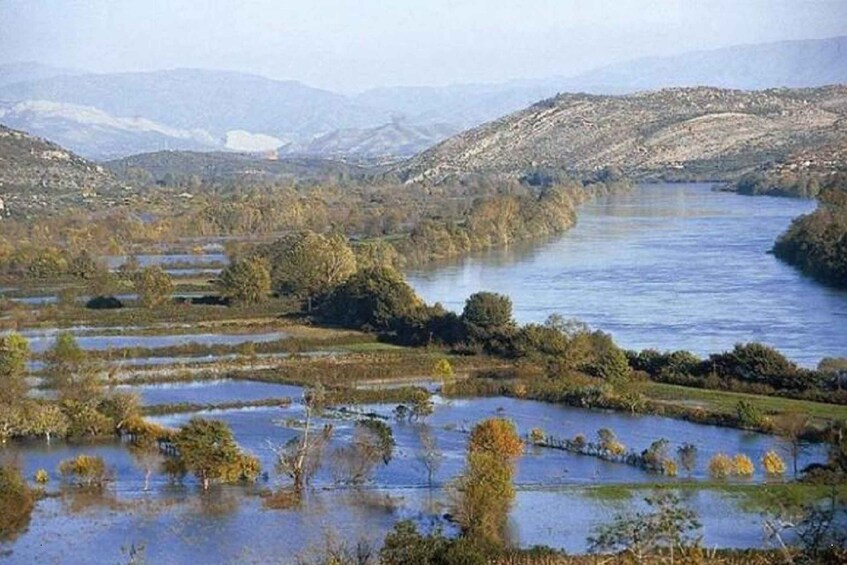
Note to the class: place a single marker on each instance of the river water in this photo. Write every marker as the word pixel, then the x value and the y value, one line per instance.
pixel 666 266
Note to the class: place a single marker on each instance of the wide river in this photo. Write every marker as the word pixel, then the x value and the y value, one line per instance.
pixel 666 266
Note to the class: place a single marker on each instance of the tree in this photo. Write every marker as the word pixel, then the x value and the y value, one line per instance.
pixel 429 456
pixel 792 426
pixel 47 420
pixel 14 352
pixel 496 436
pixel 72 372
pixel 154 286
pixel 749 415
pixel 665 527
pixel 484 493
pixel 687 456
pixel 246 281
pixel 301 456
pixel 308 264
pixel 487 314
pixel 371 299
pixel 372 444
pixel 207 449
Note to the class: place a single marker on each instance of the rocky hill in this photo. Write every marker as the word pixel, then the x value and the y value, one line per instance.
pixel 679 133
pixel 187 168
pixel 39 176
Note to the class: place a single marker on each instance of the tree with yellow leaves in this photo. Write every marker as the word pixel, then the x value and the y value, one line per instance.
pixel 773 464
pixel 743 465
pixel 721 466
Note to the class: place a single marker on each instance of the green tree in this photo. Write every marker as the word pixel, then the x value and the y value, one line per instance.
pixel 246 281
pixel 309 264
pixel 207 449
pixel 488 314
pixel 154 286
pixel 371 299
pixel 14 352
pixel 72 372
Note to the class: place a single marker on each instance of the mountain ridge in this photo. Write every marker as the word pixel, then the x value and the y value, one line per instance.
pixel 704 133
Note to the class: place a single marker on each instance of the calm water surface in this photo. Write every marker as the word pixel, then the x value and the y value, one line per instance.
pixel 667 266
pixel 230 524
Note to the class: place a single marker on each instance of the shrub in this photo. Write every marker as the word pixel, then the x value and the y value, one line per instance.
pixel 743 466
pixel 721 466
pixel 104 303
pixel 16 503
pixel 42 477
pixel 443 369
pixel 537 435
pixel 749 415
pixel 85 470
pixel 773 464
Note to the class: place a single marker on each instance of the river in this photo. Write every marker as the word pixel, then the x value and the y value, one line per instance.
pixel 666 266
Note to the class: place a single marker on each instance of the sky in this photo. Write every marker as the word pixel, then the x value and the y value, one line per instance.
pixel 353 45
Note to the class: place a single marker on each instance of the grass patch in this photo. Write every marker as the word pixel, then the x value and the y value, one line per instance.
pixel 368 347
pixel 725 402
pixel 752 497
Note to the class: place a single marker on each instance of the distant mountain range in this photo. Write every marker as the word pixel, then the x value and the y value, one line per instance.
pixel 103 116
pixel 680 133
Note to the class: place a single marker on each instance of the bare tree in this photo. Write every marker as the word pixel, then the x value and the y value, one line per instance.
pixel 300 457
pixel 429 456
pixel 793 427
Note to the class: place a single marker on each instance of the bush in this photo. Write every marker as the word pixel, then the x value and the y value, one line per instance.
pixel 42 477
pixel 104 303
pixel 773 464
pixel 757 363
pixel 749 415
pixel 85 470
pixel 743 466
pixel 721 466
pixel 16 503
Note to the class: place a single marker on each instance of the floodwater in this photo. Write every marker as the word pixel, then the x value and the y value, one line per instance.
pixel 666 266
pixel 177 523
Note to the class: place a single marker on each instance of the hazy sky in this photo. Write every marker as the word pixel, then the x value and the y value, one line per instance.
pixel 356 44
